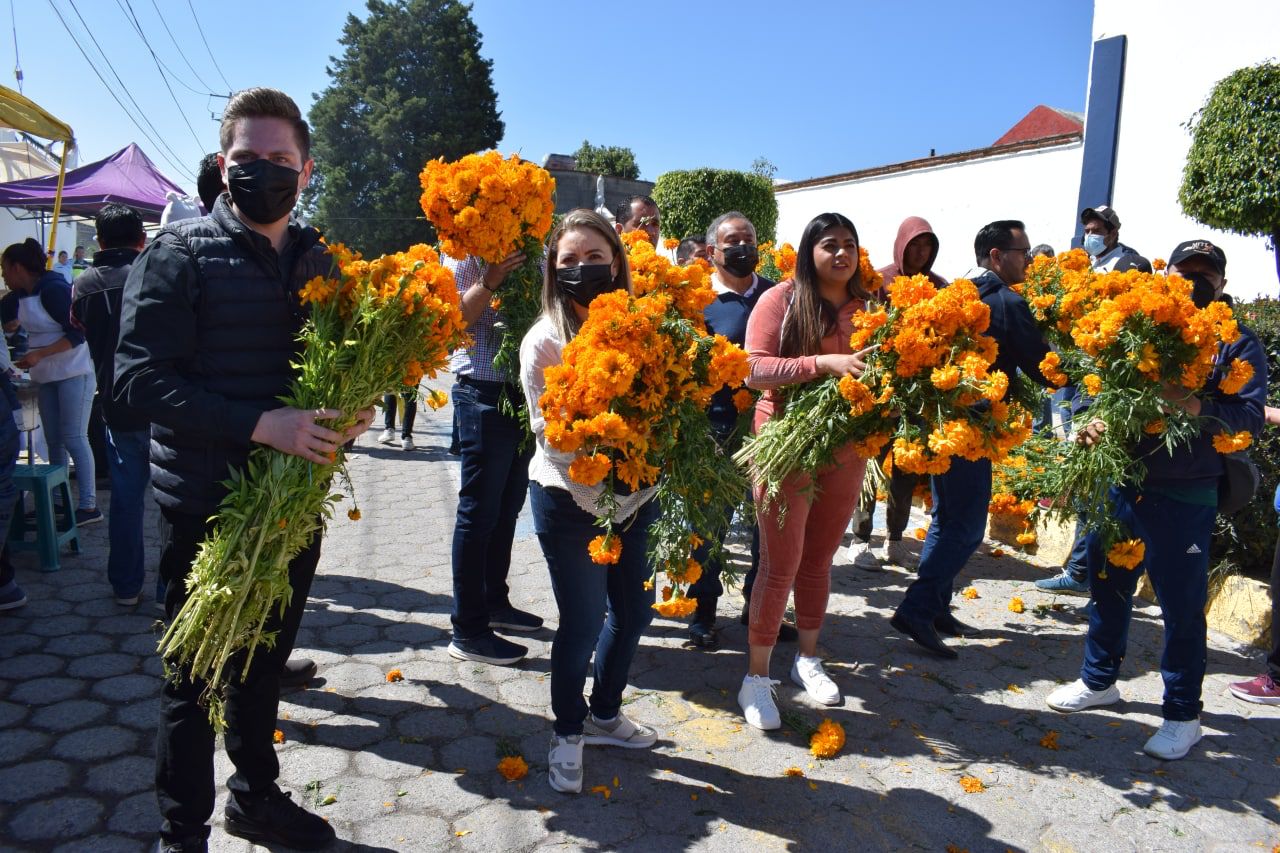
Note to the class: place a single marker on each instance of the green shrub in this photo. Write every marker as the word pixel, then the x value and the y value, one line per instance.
pixel 690 200
pixel 1245 542
pixel 612 161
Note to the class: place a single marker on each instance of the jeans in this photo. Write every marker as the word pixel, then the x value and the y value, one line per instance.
pixel 410 398
pixel 128 460
pixel 495 477
pixel 1176 535
pixel 605 608
pixel 1273 659
pixel 1077 564
pixel 185 742
pixel 64 413
pixel 960 499
pixel 8 492
pixel 709 587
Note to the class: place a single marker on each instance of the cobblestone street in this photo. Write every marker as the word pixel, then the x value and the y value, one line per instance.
pixel 411 765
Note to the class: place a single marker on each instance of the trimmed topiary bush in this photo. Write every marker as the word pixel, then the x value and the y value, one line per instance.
pixel 690 200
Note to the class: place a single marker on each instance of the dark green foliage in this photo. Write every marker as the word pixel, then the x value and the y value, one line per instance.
pixel 1232 177
pixel 410 86
pixel 1246 541
pixel 612 161
pixel 690 200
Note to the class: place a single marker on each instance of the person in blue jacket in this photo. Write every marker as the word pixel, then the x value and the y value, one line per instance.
pixel 961 495
pixel 1172 511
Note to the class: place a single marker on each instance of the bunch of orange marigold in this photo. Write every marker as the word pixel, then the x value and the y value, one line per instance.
pixel 777 263
pixel 629 399
pixel 1126 340
pixel 932 363
pixel 689 287
pixel 488 206
pixel 373 326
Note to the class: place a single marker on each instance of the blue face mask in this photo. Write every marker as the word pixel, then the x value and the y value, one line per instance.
pixel 1094 244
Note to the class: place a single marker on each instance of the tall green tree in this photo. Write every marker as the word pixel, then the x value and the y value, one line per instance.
pixel 1232 177
pixel 690 200
pixel 612 161
pixel 410 86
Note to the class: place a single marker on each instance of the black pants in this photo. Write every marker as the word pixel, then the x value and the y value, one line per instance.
pixel 897 506
pixel 410 398
pixel 185 742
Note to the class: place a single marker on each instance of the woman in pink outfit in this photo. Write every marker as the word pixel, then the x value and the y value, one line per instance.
pixel 800 332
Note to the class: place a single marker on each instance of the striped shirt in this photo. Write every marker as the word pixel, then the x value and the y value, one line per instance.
pixel 476 360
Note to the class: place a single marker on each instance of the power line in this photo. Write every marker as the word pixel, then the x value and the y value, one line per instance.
pixel 159 145
pixel 200 29
pixel 132 18
pixel 165 24
pixel 17 62
pixel 159 67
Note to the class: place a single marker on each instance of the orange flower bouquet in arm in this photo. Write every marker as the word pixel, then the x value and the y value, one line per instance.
pixel 928 388
pixel 489 207
pixel 629 400
pixel 373 327
pixel 1130 342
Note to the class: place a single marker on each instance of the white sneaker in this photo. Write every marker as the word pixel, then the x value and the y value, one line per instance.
pixel 564 764
pixel 896 553
pixel 758 705
pixel 388 437
pixel 619 731
pixel 1077 696
pixel 407 443
pixel 1174 740
pixel 862 556
pixel 809 674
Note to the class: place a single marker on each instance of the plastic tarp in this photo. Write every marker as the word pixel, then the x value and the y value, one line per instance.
pixel 127 177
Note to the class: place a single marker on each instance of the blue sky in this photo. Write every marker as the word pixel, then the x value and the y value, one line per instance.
pixel 816 88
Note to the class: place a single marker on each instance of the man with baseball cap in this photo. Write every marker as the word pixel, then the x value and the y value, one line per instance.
pixel 1102 237
pixel 1172 512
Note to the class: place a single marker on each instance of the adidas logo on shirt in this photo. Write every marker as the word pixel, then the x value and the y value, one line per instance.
pixel 1194 549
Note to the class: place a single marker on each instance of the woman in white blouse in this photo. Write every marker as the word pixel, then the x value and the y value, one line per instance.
pixel 602 608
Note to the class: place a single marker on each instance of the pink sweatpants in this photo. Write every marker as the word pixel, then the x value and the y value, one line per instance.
pixel 797 553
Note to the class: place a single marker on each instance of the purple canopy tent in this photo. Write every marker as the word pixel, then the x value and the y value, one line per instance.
pixel 127 176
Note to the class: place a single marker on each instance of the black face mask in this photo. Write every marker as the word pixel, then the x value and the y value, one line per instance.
pixel 740 261
pixel 263 191
pixel 586 282
pixel 1202 292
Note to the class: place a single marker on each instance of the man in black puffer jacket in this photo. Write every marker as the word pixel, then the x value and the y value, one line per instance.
pixel 209 326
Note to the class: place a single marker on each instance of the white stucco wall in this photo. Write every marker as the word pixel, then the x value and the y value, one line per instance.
pixel 957 199
pixel 1177 50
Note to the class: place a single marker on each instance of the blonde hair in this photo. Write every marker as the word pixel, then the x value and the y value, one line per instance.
pixel 557 306
pixel 263 102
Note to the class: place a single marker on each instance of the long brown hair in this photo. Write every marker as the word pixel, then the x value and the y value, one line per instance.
pixel 809 317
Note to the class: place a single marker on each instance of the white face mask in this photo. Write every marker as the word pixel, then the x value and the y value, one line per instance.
pixel 1094 244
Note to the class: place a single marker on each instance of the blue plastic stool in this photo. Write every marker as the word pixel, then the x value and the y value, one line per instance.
pixel 45 481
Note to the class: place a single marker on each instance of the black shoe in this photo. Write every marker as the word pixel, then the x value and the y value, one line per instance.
pixel 275 818
pixel 487 648
pixel 702 633
pixel 88 516
pixel 948 624
pixel 297 672
pixel 512 619
pixel 924 634
pixel 787 632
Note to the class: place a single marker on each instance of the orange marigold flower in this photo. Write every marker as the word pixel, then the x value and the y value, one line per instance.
pixel 970 593
pixel 1016 605
pixel 278 737
pixel 743 400
pixel 920 533
pixel 1093 384
pixel 827 740
pixel 1158 264
pixel 676 607
pixel 1237 375
pixel 395 675
pixel 1226 442
pixel 972 785
pixel 692 571
pixel 670 243
pixel 1154 427
pixel 353 514
pixel 945 378
pixel 1050 740
pixel 1026 538
pixel 1127 554
pixel 513 767
pixel 605 549
pixel 437 399
pixel 589 470
pixel 794 772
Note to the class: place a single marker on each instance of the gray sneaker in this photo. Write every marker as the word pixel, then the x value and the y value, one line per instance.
pixel 618 732
pixel 1063 583
pixel 564 764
